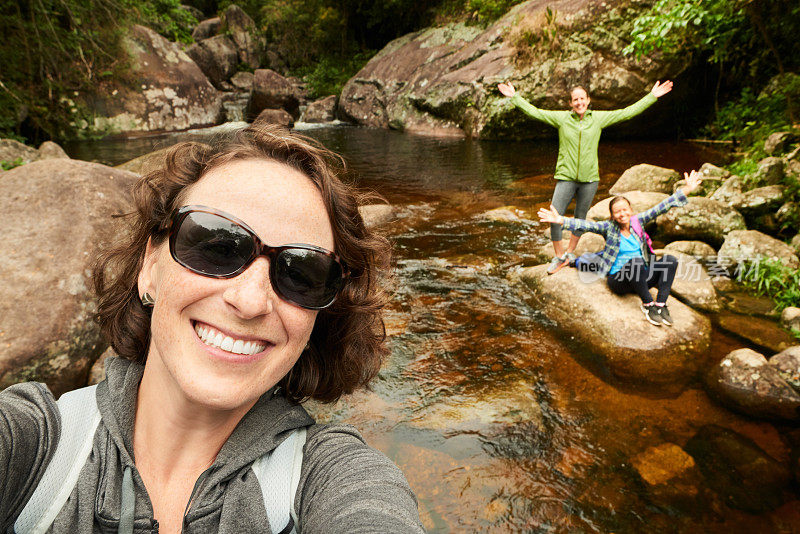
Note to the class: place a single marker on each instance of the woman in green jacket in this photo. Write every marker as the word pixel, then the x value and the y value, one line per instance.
pixel 577 171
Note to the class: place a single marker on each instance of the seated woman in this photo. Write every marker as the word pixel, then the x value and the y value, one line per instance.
pixel 247 283
pixel 627 258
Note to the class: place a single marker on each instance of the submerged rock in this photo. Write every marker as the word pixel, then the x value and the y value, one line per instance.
pixel 745 476
pixel 645 177
pixel 613 327
pixel 765 333
pixel 747 383
pixel 640 201
pixel 669 474
pixel 46 301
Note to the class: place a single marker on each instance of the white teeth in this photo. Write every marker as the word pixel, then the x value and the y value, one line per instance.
pixel 212 337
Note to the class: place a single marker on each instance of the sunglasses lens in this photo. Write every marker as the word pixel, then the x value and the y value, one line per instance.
pixel 212 245
pixel 308 278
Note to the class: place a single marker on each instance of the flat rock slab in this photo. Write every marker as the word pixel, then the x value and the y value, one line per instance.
pixel 762 332
pixel 630 348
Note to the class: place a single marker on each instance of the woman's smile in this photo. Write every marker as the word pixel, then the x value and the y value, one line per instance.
pixel 214 337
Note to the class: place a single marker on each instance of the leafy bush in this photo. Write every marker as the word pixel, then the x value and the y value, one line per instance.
pixel 328 75
pixel 167 17
pixel 772 278
pixel 8 165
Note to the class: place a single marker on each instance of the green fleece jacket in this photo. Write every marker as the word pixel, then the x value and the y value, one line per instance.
pixel 578 138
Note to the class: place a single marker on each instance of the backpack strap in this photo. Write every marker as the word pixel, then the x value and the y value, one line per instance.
pixel 636 226
pixel 278 474
pixel 79 420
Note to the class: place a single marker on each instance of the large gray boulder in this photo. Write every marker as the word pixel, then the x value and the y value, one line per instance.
pixel 444 80
pixel 698 249
pixel 759 200
pixel 645 177
pixel 640 201
pixel 206 28
pixel 730 190
pixel 745 381
pixel 275 116
pixel 57 214
pixel 12 151
pixel 751 246
pixel 216 57
pixel 51 150
pixel 169 91
pixel 322 110
pixel 741 472
pixel 692 284
pixel 245 35
pixel 770 171
pixel 613 328
pixel 790 319
pixel 273 91
pixel 787 362
pixel 701 219
pixel 779 142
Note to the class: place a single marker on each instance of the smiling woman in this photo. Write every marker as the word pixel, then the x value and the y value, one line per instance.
pixel 247 283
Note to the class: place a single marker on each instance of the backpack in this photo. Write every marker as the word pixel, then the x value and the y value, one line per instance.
pixel 278 471
pixel 644 239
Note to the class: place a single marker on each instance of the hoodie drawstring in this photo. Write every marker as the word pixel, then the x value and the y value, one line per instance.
pixel 128 503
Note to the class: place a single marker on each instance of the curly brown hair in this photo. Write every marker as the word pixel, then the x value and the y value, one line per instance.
pixel 347 344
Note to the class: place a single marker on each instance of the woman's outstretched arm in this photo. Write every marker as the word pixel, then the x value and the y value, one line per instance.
pixel 693 180
pixel 547 116
pixel 553 217
pixel 607 118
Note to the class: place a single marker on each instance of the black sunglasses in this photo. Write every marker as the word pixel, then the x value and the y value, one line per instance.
pixel 213 243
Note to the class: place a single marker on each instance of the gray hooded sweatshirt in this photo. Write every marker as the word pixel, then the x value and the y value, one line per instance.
pixel 345 486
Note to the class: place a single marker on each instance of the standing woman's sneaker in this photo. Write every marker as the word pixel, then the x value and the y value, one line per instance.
pixel 663 312
pixel 651 314
pixel 556 264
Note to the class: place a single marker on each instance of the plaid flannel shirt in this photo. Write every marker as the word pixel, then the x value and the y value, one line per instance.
pixel 610 231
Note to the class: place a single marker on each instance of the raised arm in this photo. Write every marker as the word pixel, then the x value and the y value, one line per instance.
pixel 547 116
pixel 553 217
pixel 693 180
pixel 618 115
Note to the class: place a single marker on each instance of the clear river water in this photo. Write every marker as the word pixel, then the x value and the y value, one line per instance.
pixel 483 403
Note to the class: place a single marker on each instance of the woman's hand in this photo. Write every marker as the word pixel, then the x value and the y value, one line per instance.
pixel 660 89
pixel 550 216
pixel 693 180
pixel 507 89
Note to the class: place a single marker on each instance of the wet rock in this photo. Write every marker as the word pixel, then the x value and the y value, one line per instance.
pixel 645 177
pixel 170 91
pixel 443 80
pixel 745 476
pixel 323 110
pixel 11 151
pixel 640 201
pixel 743 302
pixel 275 116
pixel 46 301
pixel 752 246
pixel 760 200
pixel 730 190
pixel 272 91
pixel 234 106
pixel 787 363
pixel 698 249
pixel 144 163
pixel 747 383
pixel 759 331
pixel 613 328
pixel 377 214
pixel 243 81
pixel 779 142
pixel 701 219
pixel 244 33
pixel 504 214
pixel 692 285
pixel 98 371
pixel 51 150
pixel 207 28
pixel 770 171
pixel 790 318
pixel 669 474
pixel 216 57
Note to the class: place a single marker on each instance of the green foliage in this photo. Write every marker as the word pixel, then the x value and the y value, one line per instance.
pixel 481 12
pixel 536 37
pixel 8 165
pixel 328 75
pixel 167 17
pixel 772 278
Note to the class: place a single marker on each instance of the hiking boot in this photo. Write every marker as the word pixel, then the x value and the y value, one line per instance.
pixel 556 264
pixel 666 318
pixel 651 314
